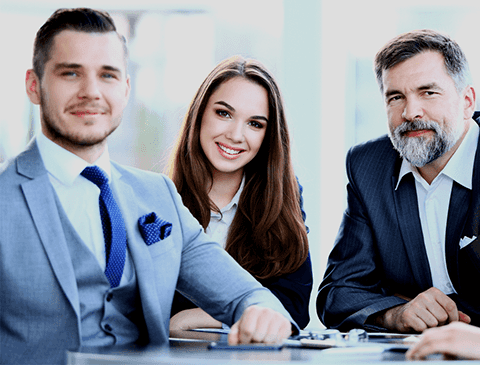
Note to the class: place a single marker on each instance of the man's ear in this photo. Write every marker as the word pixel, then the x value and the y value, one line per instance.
pixel 470 97
pixel 32 85
pixel 129 88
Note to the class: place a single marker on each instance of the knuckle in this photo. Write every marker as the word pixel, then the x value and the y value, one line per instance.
pixel 434 323
pixel 450 306
pixel 415 305
pixel 266 311
pixel 270 338
pixel 442 317
pixel 420 327
pixel 408 315
pixel 250 309
pixel 247 332
pixel 423 295
pixel 258 337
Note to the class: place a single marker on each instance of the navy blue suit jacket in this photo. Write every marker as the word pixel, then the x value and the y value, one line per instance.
pixel 379 250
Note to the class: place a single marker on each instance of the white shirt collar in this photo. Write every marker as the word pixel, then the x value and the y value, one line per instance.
pixel 460 167
pixel 64 165
pixel 233 202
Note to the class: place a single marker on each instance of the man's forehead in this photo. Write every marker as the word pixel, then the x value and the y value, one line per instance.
pixel 87 48
pixel 424 68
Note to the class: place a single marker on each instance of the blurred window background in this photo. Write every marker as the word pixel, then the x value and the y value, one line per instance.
pixel 321 52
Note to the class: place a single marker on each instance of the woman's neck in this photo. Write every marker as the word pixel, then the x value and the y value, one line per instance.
pixel 224 187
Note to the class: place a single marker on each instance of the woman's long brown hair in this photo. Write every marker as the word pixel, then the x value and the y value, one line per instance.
pixel 267 236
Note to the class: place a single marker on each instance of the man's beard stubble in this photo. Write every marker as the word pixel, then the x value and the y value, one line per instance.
pixel 63 137
pixel 420 151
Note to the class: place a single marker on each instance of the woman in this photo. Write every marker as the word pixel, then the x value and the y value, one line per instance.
pixel 455 339
pixel 232 167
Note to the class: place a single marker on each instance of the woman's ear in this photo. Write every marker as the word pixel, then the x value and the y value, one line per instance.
pixel 32 85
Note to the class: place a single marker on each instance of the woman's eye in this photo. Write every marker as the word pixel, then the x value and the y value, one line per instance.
pixel 223 113
pixel 256 124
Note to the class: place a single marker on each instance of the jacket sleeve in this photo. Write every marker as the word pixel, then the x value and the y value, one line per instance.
pixel 294 290
pixel 353 288
pixel 212 279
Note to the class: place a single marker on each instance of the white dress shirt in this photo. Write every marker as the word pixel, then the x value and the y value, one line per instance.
pixel 434 199
pixel 79 197
pixel 220 223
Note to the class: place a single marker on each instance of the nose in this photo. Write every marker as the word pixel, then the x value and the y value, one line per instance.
pixel 413 109
pixel 89 88
pixel 236 131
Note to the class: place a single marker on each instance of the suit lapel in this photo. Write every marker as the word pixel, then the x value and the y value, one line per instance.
pixel 464 265
pixel 473 221
pixel 406 204
pixel 40 197
pixel 473 218
pixel 457 215
pixel 129 203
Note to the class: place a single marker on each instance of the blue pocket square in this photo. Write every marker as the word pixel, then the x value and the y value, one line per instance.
pixel 153 228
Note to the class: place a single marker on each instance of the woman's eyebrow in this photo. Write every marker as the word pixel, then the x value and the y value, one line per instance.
pixel 226 105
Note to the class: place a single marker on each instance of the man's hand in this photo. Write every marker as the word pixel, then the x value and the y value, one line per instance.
pixel 259 324
pixel 457 339
pixel 431 308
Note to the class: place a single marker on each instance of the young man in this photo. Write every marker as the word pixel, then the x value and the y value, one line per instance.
pixel 91 251
pixel 407 255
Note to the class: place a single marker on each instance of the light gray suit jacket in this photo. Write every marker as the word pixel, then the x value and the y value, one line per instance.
pixel 39 303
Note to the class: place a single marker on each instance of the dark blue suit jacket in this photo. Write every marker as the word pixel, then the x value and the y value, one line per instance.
pixel 379 250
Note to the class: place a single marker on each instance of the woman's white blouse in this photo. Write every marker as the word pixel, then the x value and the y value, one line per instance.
pixel 219 223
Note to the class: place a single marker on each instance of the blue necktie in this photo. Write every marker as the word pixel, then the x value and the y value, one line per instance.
pixel 112 224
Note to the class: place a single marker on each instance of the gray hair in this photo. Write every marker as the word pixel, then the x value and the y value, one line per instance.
pixel 407 45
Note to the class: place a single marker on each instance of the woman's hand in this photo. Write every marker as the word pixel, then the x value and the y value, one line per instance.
pixel 457 339
pixel 191 319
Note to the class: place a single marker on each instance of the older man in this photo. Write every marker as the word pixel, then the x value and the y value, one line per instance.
pixel 407 255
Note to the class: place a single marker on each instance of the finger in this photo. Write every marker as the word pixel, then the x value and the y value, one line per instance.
pixel 425 347
pixel 400 318
pixel 247 325
pixel 259 324
pixel 280 328
pixel 428 347
pixel 285 330
pixel 274 325
pixel 435 316
pixel 418 318
pixel 262 331
pixel 418 351
pixel 233 338
pixel 452 311
pixel 413 352
pixel 431 318
pixel 447 311
pixel 462 317
pixel 441 309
